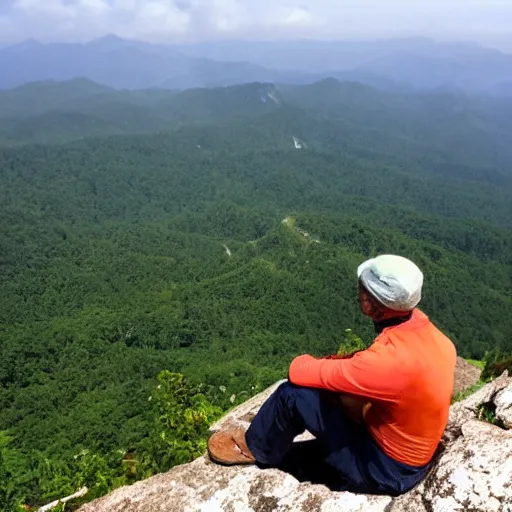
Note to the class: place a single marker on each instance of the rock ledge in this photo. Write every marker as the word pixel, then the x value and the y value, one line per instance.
pixel 474 473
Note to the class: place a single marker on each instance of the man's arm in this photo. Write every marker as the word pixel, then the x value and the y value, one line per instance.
pixel 372 374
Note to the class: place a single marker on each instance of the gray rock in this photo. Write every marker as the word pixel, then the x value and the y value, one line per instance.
pixel 469 409
pixel 206 487
pixel 503 402
pixel 473 473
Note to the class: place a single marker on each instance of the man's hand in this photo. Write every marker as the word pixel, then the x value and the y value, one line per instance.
pixel 342 356
pixel 356 408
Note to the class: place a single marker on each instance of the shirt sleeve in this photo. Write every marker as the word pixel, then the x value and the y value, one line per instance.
pixel 371 374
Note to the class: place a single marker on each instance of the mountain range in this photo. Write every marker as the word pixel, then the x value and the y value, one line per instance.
pixel 401 64
pixel 326 115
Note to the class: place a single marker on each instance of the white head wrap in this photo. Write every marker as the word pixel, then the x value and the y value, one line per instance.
pixel 394 281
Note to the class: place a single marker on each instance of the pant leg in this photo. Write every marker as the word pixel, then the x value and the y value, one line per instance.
pixel 343 445
pixel 289 412
pixel 386 475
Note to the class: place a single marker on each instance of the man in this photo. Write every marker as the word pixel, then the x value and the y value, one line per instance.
pixel 378 415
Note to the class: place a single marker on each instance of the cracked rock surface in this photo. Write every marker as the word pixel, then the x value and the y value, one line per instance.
pixel 473 473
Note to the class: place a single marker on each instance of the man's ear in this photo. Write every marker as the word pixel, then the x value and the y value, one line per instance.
pixel 378 310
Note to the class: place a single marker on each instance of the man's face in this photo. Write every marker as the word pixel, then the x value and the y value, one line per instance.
pixel 367 303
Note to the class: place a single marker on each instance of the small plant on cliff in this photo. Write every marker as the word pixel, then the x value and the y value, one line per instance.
pixel 183 417
pixel 351 344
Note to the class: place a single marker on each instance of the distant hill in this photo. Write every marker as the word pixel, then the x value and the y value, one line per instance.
pixel 63 111
pixel 119 64
pixel 328 115
pixel 419 63
pixel 398 64
pixel 37 97
pixel 444 136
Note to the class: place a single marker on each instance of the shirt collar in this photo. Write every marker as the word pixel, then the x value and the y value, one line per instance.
pixel 391 322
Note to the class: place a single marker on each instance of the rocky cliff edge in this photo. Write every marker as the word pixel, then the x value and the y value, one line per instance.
pixel 473 473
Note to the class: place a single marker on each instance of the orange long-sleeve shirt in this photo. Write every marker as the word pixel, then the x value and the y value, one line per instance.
pixel 407 375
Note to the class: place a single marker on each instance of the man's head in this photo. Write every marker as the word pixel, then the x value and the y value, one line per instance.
pixel 389 286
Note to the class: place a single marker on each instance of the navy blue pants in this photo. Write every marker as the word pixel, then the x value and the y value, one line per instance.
pixel 344 453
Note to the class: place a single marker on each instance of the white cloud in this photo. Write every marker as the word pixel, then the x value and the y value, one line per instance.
pixel 53 9
pixel 220 15
pixel 159 19
pixel 95 7
pixel 298 16
pixel 168 20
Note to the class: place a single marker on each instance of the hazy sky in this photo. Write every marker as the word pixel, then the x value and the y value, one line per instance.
pixel 487 21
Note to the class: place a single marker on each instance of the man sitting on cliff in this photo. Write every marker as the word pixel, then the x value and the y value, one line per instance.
pixel 401 386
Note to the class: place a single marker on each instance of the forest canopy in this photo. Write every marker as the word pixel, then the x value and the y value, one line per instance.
pixel 199 241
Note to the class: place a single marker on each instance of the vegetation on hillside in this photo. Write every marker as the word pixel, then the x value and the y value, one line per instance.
pixel 132 262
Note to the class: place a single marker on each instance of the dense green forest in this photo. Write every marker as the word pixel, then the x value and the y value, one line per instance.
pixel 165 255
